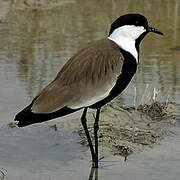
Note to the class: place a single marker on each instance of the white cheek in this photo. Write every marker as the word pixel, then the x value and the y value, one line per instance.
pixel 125 37
pixel 133 31
pixel 140 30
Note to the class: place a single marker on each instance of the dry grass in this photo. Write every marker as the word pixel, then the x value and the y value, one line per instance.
pixel 122 133
pixel 134 129
pixel 151 106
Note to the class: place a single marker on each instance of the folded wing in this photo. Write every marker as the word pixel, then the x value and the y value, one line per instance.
pixel 85 79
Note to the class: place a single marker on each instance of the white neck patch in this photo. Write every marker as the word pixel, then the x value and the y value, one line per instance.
pixel 126 36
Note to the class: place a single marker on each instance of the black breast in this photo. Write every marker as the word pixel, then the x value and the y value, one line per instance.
pixel 128 71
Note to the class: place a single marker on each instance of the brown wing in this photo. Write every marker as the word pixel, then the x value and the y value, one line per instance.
pixel 86 78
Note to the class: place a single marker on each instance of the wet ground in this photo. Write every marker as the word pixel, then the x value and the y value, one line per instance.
pixel 36 40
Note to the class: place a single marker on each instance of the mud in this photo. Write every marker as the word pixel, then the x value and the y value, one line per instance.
pixel 159 111
pixel 124 131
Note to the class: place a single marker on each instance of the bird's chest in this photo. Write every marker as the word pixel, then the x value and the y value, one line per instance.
pixel 128 70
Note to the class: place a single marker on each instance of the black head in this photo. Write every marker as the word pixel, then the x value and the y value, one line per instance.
pixel 135 20
pixel 132 26
pixel 129 19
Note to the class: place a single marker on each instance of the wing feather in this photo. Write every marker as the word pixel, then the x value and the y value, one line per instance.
pixel 86 78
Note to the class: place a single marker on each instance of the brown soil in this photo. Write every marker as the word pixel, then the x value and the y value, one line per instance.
pixel 121 134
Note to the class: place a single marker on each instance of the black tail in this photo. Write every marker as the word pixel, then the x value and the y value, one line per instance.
pixel 27 117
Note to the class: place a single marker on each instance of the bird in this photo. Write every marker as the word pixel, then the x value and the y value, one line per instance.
pixel 92 77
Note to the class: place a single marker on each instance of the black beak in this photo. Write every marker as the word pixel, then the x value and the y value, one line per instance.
pixel 154 30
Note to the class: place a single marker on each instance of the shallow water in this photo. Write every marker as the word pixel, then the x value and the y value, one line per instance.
pixel 34 46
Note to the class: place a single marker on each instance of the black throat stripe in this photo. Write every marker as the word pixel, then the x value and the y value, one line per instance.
pixel 128 70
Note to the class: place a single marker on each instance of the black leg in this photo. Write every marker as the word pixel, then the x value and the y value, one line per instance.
pixel 96 174
pixel 84 123
pixel 96 128
pixel 93 173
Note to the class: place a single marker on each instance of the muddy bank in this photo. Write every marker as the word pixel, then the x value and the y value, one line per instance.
pixel 123 131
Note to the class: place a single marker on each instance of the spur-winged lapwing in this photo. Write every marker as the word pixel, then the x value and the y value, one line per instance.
pixel 92 77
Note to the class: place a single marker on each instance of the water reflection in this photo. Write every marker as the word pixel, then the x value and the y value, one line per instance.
pixel 93 173
pixel 38 42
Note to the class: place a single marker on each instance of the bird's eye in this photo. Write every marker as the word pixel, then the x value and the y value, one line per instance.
pixel 136 23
